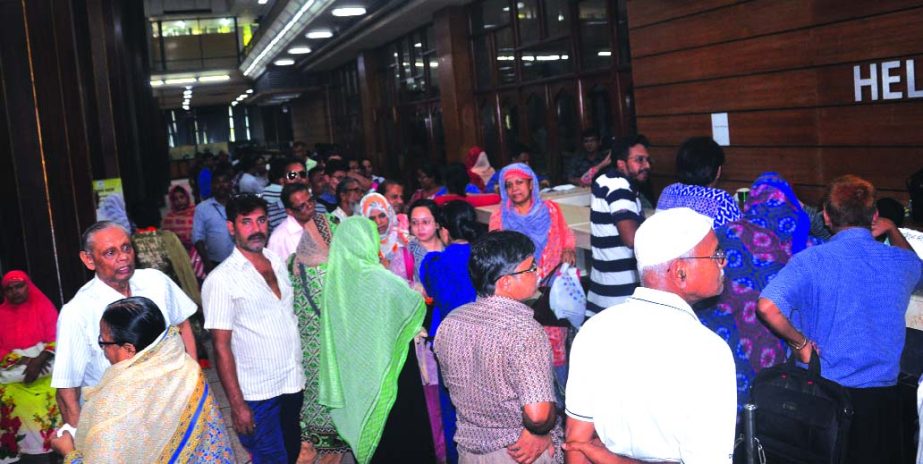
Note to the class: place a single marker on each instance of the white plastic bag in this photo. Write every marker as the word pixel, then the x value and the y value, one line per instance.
pixel 567 298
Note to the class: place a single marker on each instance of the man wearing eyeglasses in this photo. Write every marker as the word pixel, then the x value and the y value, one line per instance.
pixel 646 377
pixel 282 172
pixel 495 360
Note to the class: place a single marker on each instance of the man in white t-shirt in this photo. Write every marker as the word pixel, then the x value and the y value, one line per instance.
pixel 248 302
pixel 645 375
pixel 79 360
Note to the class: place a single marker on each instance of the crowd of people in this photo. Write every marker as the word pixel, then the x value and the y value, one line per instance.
pixel 347 325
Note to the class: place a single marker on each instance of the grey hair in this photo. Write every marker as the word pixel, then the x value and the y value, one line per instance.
pixel 658 271
pixel 86 240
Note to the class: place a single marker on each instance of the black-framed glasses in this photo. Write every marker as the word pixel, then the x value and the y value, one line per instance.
pixel 532 268
pixel 103 344
pixel 720 257
pixel 292 175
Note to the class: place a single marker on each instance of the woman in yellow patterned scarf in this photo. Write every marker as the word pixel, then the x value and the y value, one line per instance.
pixel 153 404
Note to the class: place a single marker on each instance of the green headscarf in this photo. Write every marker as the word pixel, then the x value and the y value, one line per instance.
pixel 368 318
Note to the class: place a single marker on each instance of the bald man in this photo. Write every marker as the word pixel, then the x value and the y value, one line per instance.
pixel 646 376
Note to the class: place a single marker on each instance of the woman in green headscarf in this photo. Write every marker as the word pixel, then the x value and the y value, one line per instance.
pixel 369 316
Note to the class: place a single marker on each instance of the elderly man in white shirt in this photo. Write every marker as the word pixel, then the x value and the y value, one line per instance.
pixel 248 301
pixel 299 207
pixel 646 376
pixel 79 360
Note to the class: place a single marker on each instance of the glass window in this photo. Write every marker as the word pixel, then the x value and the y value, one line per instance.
pixel 557 17
pixel 566 115
pixel 490 14
pixel 481 62
pixel 489 128
pixel 547 60
pixel 430 43
pixel 506 65
pixel 528 19
pixel 509 114
pixel 538 133
pixel 601 111
pixel 596 48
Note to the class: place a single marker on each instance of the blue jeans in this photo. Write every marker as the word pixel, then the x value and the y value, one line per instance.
pixel 276 437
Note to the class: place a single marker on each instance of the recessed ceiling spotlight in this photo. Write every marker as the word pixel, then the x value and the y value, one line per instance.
pixel 234 103
pixel 349 11
pixel 319 34
pixel 249 90
pixel 262 2
pixel 300 50
pixel 284 62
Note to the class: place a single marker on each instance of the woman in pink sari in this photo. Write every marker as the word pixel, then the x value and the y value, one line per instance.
pixel 522 210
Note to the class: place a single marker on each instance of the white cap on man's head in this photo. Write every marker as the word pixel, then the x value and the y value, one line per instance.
pixel 669 234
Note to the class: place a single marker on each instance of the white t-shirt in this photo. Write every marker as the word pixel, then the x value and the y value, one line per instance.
pixel 265 340
pixel 79 361
pixel 656 384
pixel 284 239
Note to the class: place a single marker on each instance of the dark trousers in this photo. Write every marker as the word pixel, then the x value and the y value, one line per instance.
pixel 874 433
pixel 277 436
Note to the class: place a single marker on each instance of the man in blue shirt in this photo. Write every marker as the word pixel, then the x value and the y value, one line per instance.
pixel 210 234
pixel 846 299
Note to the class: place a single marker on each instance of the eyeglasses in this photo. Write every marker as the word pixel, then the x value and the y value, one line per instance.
pixel 103 344
pixel 532 268
pixel 720 257
pixel 292 175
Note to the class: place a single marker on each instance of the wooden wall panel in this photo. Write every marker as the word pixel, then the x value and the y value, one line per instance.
pixel 644 12
pixel 749 19
pixel 783 71
pixel 890 35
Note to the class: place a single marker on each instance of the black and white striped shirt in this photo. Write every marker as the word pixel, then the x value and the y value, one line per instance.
pixel 614 275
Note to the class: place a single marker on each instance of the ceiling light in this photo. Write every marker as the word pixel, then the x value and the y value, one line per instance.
pixel 284 62
pixel 604 53
pixel 249 90
pixel 418 45
pixel 221 78
pixel 187 92
pixel 186 107
pixel 319 34
pixel 262 2
pixel 180 81
pixel 300 50
pixel 272 43
pixel 234 103
pixel 349 11
pixel 156 83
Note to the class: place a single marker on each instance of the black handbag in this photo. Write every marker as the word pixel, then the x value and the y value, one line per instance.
pixel 801 417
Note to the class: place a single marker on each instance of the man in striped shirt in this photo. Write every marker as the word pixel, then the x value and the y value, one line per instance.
pixel 615 214
pixel 248 309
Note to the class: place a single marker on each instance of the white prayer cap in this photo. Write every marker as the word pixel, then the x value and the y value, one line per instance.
pixel 669 234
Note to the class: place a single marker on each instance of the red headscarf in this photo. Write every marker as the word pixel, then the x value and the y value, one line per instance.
pixel 27 323
pixel 481 173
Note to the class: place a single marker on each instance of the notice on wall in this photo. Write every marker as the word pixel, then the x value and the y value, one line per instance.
pixel 719 129
pixel 109 198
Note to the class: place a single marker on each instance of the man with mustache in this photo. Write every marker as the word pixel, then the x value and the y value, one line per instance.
pixel 248 297
pixel 79 360
pixel 615 214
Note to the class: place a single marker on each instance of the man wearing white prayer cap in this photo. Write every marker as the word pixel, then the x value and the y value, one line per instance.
pixel 646 376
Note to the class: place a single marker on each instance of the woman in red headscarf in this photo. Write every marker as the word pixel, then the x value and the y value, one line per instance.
pixel 479 169
pixel 28 413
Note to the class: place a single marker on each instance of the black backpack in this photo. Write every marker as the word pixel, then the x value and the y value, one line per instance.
pixel 801 417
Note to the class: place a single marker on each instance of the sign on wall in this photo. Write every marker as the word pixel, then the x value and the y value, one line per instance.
pixel 889 80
